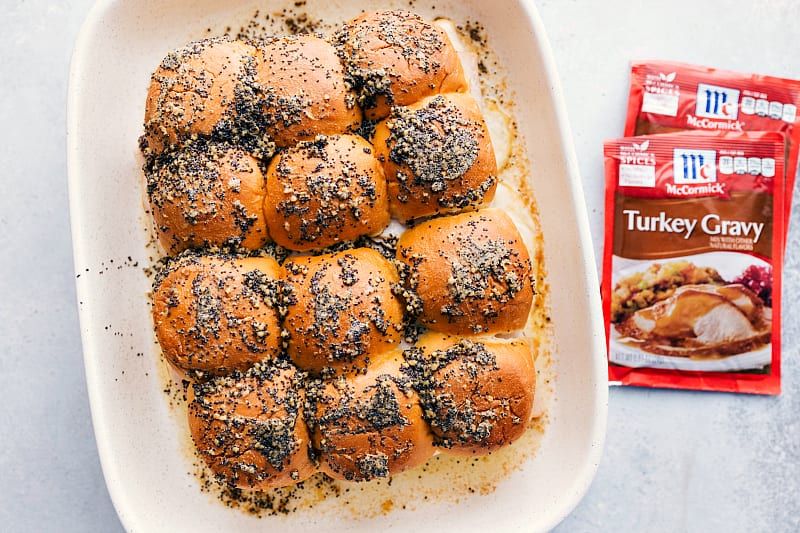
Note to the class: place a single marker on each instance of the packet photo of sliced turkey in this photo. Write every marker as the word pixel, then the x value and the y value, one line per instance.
pixel 692 262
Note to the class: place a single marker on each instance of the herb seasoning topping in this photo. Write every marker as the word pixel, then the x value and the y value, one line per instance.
pixel 396 57
pixel 250 426
pixel 437 143
pixel 208 194
pixel 326 191
pixel 454 385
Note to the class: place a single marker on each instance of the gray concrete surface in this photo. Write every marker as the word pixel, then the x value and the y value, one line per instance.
pixel 674 461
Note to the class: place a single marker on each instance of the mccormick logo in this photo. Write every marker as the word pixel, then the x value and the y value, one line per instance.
pixel 717 102
pixel 694 166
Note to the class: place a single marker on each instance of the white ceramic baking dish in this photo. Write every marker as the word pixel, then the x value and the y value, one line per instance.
pixel 141 438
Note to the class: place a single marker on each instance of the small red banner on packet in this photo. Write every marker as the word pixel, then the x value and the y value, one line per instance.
pixel 668 96
pixel 692 260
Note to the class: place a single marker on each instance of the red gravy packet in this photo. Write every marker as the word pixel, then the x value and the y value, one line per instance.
pixel 667 96
pixel 692 263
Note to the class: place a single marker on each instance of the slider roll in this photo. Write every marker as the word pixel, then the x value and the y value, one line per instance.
pixel 206 89
pixel 341 310
pixel 208 194
pixel 467 274
pixel 325 192
pixel 397 58
pixel 249 428
pixel 369 425
pixel 437 156
pixel 303 90
pixel 477 393
pixel 215 315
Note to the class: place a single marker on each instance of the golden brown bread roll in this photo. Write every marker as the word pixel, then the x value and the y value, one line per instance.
pixel 325 191
pixel 477 393
pixel 215 111
pixel 216 315
pixel 369 425
pixel 204 89
pixel 249 427
pixel 208 194
pixel 437 157
pixel 304 90
pixel 397 58
pixel 340 309
pixel 471 273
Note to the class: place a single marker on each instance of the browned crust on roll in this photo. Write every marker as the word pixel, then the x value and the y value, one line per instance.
pixel 324 192
pixel 304 90
pixel 469 273
pixel 477 393
pixel 208 194
pixel 370 425
pixel 340 309
pixel 396 58
pixel 249 428
pixel 204 89
pixel 216 315
pixel 437 156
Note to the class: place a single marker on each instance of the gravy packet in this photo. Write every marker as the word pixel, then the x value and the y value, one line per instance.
pixel 692 262
pixel 667 96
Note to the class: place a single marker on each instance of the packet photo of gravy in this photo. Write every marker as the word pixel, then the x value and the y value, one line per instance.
pixel 666 96
pixel 692 263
